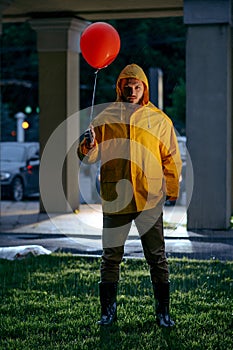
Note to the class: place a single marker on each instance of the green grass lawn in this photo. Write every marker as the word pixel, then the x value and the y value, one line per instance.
pixel 51 302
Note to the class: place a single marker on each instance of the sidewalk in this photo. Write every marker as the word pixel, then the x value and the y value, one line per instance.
pixel 80 232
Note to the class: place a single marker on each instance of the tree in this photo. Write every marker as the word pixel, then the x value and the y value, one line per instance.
pixel 178 108
pixel 19 67
pixel 19 78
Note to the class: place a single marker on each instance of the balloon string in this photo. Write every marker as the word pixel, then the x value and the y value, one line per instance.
pixel 93 96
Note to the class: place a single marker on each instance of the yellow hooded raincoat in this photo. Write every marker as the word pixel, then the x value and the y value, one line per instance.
pixel 138 149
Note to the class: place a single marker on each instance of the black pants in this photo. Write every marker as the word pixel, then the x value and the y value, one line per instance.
pixel 115 231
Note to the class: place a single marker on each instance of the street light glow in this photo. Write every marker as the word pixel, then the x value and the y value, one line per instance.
pixel 25 125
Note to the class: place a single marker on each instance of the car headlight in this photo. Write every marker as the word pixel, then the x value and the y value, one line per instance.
pixel 5 176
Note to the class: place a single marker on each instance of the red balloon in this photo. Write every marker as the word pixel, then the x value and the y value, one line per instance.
pixel 100 44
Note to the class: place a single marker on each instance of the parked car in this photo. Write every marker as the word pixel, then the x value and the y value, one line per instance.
pixel 183 154
pixel 19 176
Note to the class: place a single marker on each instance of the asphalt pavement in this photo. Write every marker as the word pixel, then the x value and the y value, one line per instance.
pixel 79 232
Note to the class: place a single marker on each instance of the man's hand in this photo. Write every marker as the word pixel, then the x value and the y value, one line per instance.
pixel 170 201
pixel 89 136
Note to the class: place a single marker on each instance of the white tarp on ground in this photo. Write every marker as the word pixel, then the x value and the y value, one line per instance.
pixel 20 252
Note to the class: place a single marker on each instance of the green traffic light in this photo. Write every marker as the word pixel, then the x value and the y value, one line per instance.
pixel 28 109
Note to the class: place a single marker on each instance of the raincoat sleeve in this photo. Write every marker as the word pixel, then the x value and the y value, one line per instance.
pixel 171 160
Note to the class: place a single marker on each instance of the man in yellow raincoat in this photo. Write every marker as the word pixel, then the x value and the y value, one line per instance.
pixel 140 168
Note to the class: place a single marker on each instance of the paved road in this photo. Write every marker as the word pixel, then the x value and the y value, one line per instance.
pixel 80 232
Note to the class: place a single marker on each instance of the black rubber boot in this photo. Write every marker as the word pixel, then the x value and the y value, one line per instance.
pixel 162 294
pixel 108 294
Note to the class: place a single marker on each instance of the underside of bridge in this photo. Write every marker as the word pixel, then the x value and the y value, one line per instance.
pixel 91 9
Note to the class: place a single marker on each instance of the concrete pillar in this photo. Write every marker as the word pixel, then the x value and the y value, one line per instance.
pixel 156 86
pixel 209 111
pixel 58 47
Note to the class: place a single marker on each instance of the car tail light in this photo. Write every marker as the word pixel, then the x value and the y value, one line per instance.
pixel 29 169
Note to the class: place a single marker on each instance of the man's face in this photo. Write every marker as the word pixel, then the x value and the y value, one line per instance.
pixel 132 90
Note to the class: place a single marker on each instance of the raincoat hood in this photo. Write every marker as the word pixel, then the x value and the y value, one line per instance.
pixel 136 72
